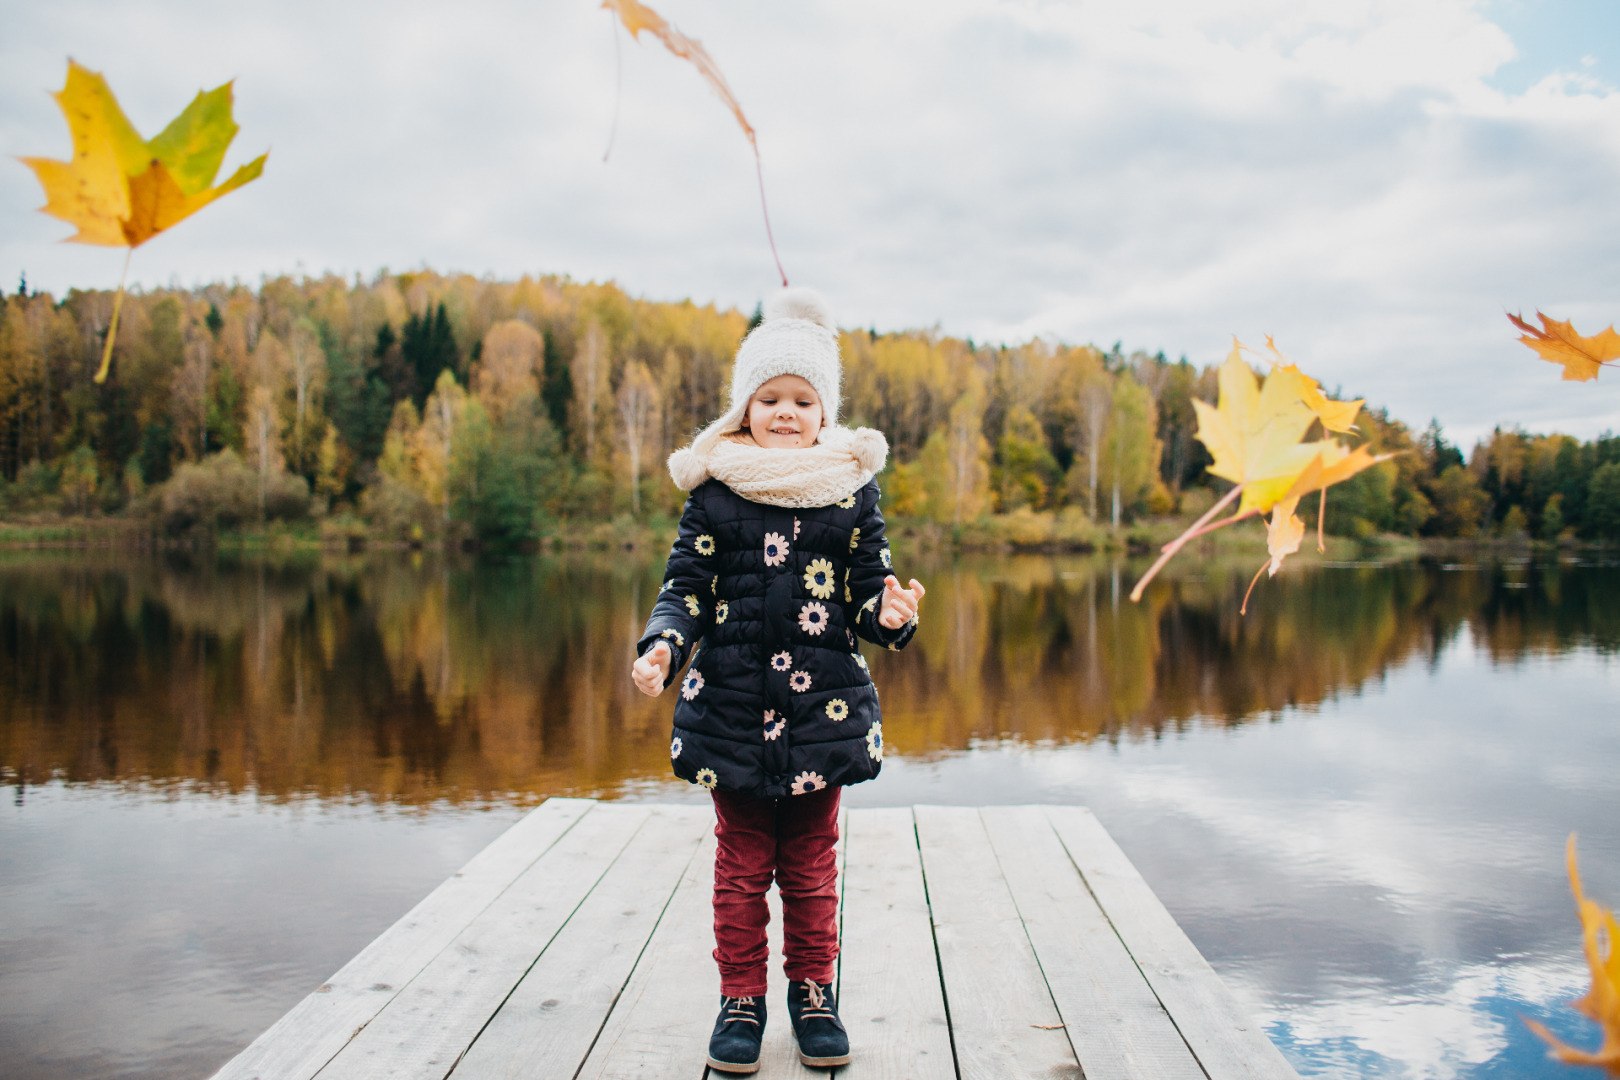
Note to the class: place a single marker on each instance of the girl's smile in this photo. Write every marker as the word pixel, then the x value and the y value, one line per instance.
pixel 784 414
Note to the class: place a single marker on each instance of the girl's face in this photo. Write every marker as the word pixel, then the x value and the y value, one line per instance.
pixel 784 414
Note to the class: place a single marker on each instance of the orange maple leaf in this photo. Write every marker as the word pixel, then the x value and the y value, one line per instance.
pixel 637 17
pixel 1558 343
pixel 1601 942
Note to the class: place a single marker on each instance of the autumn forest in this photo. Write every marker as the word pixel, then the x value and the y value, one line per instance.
pixel 425 407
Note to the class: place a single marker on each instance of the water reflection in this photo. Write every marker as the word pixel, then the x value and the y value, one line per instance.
pixel 417 679
pixel 226 777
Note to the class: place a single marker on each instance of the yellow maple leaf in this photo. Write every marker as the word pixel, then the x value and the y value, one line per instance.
pixel 121 190
pixel 1337 416
pixel 1333 465
pixel 1558 343
pixel 1253 432
pixel 1601 941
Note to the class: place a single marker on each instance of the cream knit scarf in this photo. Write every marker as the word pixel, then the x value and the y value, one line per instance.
pixel 840 464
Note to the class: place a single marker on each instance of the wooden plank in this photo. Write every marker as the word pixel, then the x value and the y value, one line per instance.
pixel 661 1024
pixel 1116 1025
pixel 1003 1021
pixel 547 1026
pixel 889 989
pixel 432 1021
pixel 305 1039
pixel 1226 1041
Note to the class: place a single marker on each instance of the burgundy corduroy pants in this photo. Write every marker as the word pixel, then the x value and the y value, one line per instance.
pixel 790 840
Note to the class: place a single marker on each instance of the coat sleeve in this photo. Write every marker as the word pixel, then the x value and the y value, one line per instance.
pixel 684 610
pixel 869 564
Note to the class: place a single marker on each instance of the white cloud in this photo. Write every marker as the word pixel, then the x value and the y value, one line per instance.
pixel 1342 175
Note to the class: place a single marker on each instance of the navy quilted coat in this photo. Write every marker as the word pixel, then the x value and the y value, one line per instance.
pixel 778 700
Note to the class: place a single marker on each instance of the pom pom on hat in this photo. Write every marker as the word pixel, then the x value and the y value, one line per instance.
pixel 801 303
pixel 797 337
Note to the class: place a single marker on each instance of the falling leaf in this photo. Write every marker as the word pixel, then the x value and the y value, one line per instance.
pixel 1283 535
pixel 1601 941
pixel 637 17
pixel 1339 416
pixel 1333 465
pixel 1253 433
pixel 121 190
pixel 1558 343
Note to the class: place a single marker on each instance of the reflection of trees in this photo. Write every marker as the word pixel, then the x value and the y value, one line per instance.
pixel 411 679
pixel 1040 649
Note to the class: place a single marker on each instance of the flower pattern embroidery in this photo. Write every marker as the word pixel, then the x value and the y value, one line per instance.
pixel 720 612
pixel 848 502
pixel 871 605
pixel 691 685
pixel 773 726
pixel 776 549
pixel 818 578
pixel 884 554
pixel 782 660
pixel 704 545
pixel 675 636
pixel 806 782
pixel 854 538
pixel 874 742
pixel 795 528
pixel 837 709
pixel 705 778
pixel 813 619
pixel 714 586
pixel 849 597
pixel 665 587
pixel 799 681
pixel 693 606
pixel 861 660
pixel 675 748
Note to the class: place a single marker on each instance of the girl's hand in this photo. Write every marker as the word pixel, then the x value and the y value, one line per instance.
pixel 899 605
pixel 651 669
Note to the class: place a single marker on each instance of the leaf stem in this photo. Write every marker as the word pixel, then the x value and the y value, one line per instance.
pixel 1244 610
pixel 759 170
pixel 112 328
pixel 1179 542
pixel 1221 524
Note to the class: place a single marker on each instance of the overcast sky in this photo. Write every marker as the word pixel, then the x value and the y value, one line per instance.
pixel 1373 182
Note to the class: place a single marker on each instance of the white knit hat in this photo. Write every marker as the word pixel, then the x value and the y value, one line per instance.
pixel 797 337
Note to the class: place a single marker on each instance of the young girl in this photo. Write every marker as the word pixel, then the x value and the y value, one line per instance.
pixel 780 563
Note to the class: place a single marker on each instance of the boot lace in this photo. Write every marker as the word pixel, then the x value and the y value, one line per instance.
pixel 741 1009
pixel 816 1005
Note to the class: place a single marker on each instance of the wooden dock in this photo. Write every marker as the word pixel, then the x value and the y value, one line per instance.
pixel 1009 941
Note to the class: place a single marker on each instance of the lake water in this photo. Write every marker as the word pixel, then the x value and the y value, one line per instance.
pixel 221 778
